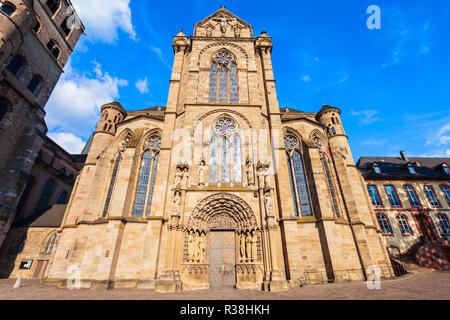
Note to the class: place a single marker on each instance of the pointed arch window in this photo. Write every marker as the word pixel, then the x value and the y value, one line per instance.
pixel 147 177
pixel 298 177
pixel 51 244
pixel 225 152
pixel 45 196
pixel 112 184
pixel 331 186
pixel 62 198
pixel 223 78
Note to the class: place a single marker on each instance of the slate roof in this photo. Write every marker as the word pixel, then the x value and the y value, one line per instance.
pixel 397 168
pixel 51 218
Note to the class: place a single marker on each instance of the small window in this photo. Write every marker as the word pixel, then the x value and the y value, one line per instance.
pixel 445 225
pixel 376 168
pixel 429 190
pixel 374 195
pixel 3 108
pixel 404 225
pixel 16 63
pixel 53 5
pixel 8 8
pixel 393 197
pixel 384 224
pixel 333 130
pixel 411 169
pixel 34 83
pixel 54 49
pixel 65 26
pixel 446 168
pixel 418 164
pixel 37 27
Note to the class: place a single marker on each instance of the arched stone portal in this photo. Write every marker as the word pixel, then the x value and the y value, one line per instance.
pixel 222 246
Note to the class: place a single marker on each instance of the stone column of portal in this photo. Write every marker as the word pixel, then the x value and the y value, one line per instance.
pixel 274 275
pixel 168 277
pixel 277 273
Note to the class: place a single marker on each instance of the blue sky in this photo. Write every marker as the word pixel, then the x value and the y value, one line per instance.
pixel 392 84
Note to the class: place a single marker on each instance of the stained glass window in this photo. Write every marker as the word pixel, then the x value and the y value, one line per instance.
pixel 331 187
pixel 223 94
pixel 111 185
pixel 8 8
pixel 223 76
pixel 225 162
pixel 233 83
pixel 302 188
pixel 43 201
pixel 142 188
pixel 213 159
pixel 294 196
pixel 152 184
pixel 213 83
pixel 51 244
pixel 237 161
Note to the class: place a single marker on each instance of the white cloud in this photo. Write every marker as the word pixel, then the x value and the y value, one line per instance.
pixel 68 141
pixel 366 116
pixel 74 105
pixel 142 85
pixel 103 19
pixel 306 78
pixel 160 56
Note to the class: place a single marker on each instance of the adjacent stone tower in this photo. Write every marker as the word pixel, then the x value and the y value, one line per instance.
pixel 350 181
pixel 36 40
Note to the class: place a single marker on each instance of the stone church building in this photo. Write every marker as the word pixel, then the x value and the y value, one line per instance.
pixel 221 187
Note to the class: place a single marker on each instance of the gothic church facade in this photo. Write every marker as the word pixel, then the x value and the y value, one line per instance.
pixel 221 187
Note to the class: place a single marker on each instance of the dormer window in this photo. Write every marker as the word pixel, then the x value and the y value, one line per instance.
pixel 411 169
pixel 376 168
pixel 446 168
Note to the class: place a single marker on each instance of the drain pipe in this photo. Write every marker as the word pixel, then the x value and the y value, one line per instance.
pixel 349 218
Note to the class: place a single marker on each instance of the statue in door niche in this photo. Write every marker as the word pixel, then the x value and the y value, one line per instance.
pixel 248 248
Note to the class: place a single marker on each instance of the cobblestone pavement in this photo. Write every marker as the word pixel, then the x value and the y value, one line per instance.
pixel 426 286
